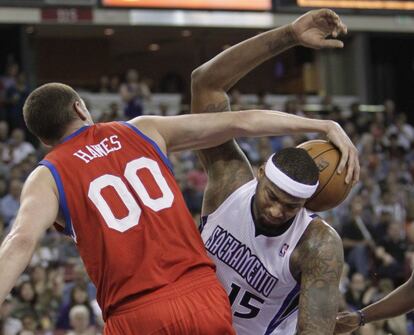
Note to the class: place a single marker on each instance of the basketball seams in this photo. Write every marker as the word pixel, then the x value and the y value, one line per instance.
pixel 314 158
pixel 333 187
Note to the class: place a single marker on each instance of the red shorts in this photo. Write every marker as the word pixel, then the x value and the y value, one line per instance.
pixel 200 307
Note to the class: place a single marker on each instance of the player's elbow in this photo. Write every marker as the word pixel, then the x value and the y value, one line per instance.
pixel 202 78
pixel 198 79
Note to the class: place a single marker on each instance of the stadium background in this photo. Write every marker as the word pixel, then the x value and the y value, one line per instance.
pixel 99 46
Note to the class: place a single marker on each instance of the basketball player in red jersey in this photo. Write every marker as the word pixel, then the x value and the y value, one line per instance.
pixel 110 187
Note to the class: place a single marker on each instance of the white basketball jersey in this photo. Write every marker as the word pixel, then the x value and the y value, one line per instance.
pixel 254 270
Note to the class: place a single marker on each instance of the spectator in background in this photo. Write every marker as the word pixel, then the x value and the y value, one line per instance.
pixel 10 203
pixel 15 97
pixel 78 296
pixel 18 149
pixel 389 111
pixel 261 101
pixel 112 114
pixel 104 84
pixel 38 278
pixel 12 71
pixel 47 303
pixel 8 324
pixel 197 178
pixel 79 317
pixel 30 324
pixel 354 297
pixel 133 93
pixel 357 247
pixel 80 278
pixel 26 300
pixel 114 84
pixel 388 204
pixel 391 253
pixel 403 132
pixel 4 132
pixel 360 120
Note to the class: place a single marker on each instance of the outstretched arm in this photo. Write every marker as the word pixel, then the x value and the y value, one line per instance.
pixel 226 165
pixel 38 210
pixel 399 301
pixel 320 260
pixel 175 133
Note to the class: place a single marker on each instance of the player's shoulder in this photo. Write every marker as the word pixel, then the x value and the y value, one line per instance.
pixel 40 180
pixel 145 121
pixel 318 231
pixel 318 241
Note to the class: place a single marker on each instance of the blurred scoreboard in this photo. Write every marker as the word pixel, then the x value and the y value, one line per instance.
pixel 41 3
pixel 263 5
pixel 351 4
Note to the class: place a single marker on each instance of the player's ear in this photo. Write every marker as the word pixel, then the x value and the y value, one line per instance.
pixel 80 110
pixel 46 143
pixel 260 172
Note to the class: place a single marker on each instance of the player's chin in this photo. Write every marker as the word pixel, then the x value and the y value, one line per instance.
pixel 266 223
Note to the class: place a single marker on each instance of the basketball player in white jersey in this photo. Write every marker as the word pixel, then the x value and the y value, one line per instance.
pixel 279 263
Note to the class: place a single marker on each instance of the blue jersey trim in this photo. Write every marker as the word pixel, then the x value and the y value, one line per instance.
pixel 155 145
pixel 62 197
pixel 283 318
pixel 286 306
pixel 203 222
pixel 77 132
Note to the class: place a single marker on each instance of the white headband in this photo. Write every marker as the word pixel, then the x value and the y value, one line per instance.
pixel 286 183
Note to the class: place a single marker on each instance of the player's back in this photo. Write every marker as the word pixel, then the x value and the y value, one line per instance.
pixel 126 213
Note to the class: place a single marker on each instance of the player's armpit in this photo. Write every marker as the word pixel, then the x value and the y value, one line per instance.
pixel 321 262
pixel 225 174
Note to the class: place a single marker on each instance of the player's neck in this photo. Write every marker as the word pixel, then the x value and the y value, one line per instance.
pixel 73 127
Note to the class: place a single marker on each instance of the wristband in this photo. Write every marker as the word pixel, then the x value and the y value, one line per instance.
pixel 361 318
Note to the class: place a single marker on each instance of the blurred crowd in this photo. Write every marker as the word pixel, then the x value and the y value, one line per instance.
pixel 55 296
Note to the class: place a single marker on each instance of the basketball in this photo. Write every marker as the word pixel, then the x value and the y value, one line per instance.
pixel 332 189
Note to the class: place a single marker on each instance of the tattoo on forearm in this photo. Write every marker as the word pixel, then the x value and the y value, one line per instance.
pixel 322 269
pixel 277 45
pixel 217 108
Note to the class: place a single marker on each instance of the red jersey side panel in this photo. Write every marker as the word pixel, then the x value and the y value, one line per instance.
pixel 126 212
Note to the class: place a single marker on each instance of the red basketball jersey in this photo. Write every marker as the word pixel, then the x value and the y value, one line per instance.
pixel 125 211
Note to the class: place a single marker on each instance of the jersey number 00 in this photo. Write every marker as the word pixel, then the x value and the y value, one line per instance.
pixel 134 210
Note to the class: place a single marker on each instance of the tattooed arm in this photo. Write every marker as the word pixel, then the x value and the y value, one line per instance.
pixel 226 165
pixel 398 302
pixel 319 258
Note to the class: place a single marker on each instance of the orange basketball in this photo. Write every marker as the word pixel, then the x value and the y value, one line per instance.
pixel 332 189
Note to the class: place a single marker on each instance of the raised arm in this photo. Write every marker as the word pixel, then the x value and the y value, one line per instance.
pixel 309 30
pixel 398 302
pixel 226 165
pixel 38 210
pixel 320 260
